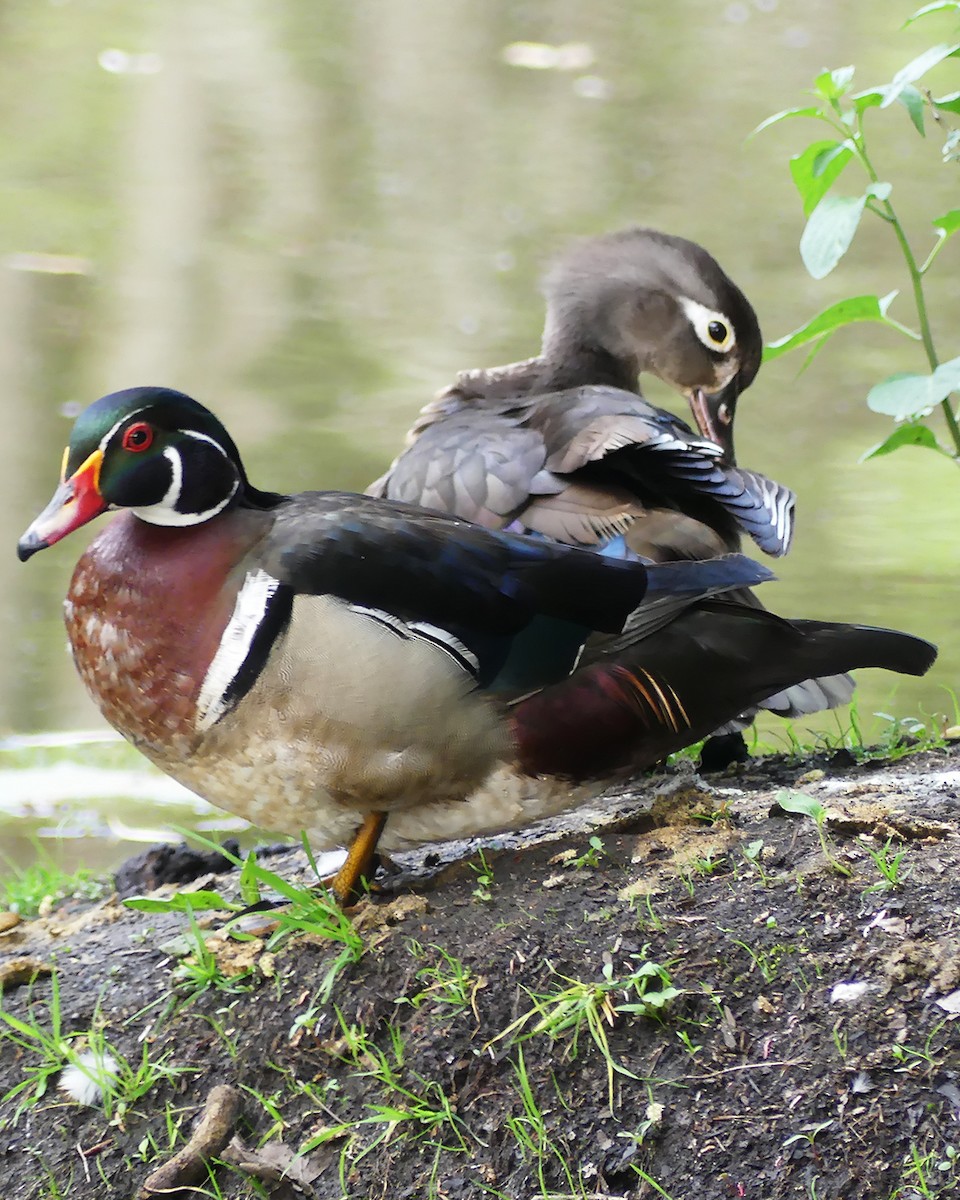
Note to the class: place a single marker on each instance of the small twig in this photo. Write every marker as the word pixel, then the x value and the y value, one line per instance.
pixel 213 1131
pixel 99 1148
pixel 757 1066
pixel 83 1159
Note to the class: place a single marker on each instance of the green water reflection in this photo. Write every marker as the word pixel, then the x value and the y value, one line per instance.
pixel 310 215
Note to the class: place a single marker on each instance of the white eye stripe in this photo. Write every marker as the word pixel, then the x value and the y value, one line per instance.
pixel 705 321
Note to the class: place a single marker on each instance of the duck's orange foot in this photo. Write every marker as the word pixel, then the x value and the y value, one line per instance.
pixel 346 885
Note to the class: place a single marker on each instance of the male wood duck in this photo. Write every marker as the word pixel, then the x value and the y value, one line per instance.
pixel 353 667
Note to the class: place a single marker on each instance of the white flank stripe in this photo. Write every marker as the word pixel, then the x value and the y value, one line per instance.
pixel 423 631
pixel 445 641
pixel 388 620
pixel 247 617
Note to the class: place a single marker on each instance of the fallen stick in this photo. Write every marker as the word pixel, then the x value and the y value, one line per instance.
pixel 189 1164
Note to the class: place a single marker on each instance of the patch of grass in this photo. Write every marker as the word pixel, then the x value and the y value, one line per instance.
pixel 49 1050
pixel 200 970
pixel 529 1130
pixel 418 1108
pixel 484 874
pixel 931 1174
pixel 766 961
pixel 651 1182
pixel 308 910
pixel 648 919
pixel 888 864
pixel 450 985
pixel 591 857
pixel 753 855
pixel 594 1006
pixel 43 885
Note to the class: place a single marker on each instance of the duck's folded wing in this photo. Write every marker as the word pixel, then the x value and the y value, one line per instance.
pixel 480 466
pixel 605 429
pixel 421 565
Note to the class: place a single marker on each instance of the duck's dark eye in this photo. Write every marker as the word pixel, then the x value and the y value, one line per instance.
pixel 138 437
pixel 717 331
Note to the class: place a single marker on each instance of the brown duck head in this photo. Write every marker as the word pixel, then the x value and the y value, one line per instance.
pixel 638 300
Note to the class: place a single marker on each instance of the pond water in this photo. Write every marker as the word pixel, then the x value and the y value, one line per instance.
pixel 311 215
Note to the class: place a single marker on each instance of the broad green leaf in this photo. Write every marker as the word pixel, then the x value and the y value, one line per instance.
pixel 829 232
pixel 844 312
pixel 917 68
pixel 815 169
pixel 799 802
pixel 831 85
pixel 783 116
pixel 901 395
pixel 911 433
pixel 909 396
pixel 949 103
pixel 949 223
pixel 912 101
pixel 937 6
pixel 869 99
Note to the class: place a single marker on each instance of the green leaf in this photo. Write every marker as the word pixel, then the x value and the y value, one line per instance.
pixel 837 316
pixel 815 169
pixel 810 111
pixel 917 68
pixel 910 433
pixel 908 396
pixel 935 7
pixel 912 101
pixel 949 103
pixel 183 902
pixel 831 85
pixel 829 232
pixel 799 802
pixel 949 223
pixel 869 99
pixel 249 887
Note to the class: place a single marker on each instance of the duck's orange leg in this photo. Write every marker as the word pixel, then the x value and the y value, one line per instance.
pixel 345 884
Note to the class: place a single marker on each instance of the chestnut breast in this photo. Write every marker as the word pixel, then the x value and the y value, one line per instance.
pixel 145 613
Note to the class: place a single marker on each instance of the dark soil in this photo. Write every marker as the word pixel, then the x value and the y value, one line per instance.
pixel 759 1080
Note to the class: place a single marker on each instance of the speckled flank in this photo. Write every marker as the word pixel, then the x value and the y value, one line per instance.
pixel 347 718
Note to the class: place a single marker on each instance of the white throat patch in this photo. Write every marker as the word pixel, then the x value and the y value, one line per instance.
pixel 164 512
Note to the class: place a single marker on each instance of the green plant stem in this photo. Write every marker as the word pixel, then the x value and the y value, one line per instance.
pixel 916 281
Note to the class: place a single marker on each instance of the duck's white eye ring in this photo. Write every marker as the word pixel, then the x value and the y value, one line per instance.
pixel 711 327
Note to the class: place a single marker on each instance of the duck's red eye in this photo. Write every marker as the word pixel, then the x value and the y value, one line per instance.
pixel 138 437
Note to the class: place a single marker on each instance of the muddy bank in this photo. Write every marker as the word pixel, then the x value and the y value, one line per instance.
pixel 685 992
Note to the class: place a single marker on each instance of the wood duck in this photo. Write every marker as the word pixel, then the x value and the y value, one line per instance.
pixel 563 444
pixel 343 665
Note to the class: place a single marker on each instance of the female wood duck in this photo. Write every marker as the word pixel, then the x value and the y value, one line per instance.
pixel 564 445
pixel 326 661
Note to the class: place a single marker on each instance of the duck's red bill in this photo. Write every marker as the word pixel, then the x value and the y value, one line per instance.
pixel 75 502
